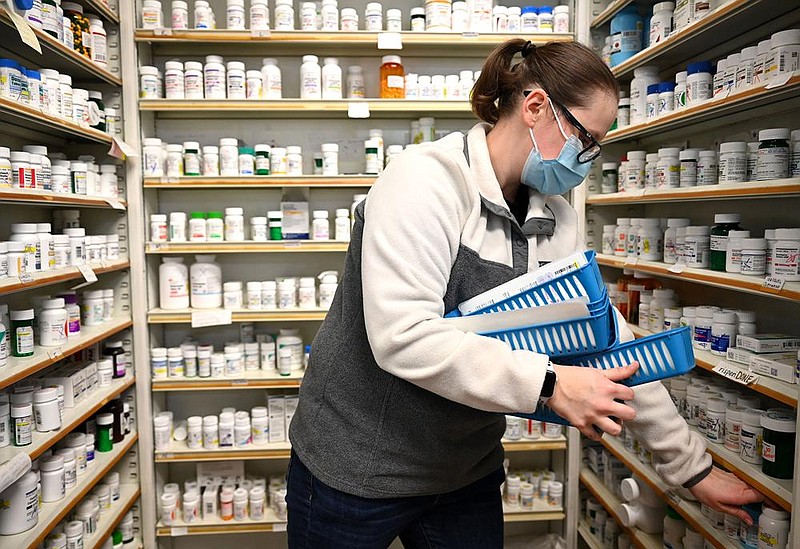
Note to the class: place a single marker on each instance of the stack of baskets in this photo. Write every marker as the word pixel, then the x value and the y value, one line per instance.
pixel 591 341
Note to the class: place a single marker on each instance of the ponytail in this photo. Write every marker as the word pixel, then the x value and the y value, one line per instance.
pixel 569 72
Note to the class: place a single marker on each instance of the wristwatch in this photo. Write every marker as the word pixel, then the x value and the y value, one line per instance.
pixel 549 385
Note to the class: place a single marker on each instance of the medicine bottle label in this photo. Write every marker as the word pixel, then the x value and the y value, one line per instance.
pixel 768 451
pixel 23 430
pixel 24 337
pixel 772 163
pixel 720 342
pixel 718 243
pixel 702 335
pixel 785 261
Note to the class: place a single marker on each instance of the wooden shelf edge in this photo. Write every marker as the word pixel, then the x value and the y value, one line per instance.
pixel 610 11
pixel 60 49
pixel 300 106
pixel 48 278
pixel 704 276
pixel 247 247
pixel 50 198
pixel 55 436
pixel 278 181
pixel 367 39
pixel 231 455
pixel 160 385
pixel 535 445
pixel 752 190
pixel 103 10
pixel 184 317
pixel 63 127
pixel 774 388
pixel 117 326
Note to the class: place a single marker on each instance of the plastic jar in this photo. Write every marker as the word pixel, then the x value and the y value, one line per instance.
pixel 784 54
pixel 294 160
pixel 191 158
pixel 649 240
pixel 688 167
pixel 751 436
pixel 236 80
pixel 707 168
pixel 651 102
pixel 608 239
pixel 786 254
pixel 174 80
pixel 724 223
pixel 148 85
pixel 193 82
pixel 642 78
pixel 733 427
pixel 661 22
pixel 234 224
pixel 699 82
pixel 232 295
pixel 704 321
pixel 206 283
pixel 52 323
pixel 773 528
pixel 723 332
pixel 666 98
pixel 772 161
pixel 696 246
pixel 621 236
pixel 744 70
pixel 214 80
pixel 392 78
pixel 733 162
pixel 51 469
pixel 635 173
pixel 778 448
pixel 754 256
pixel 715 420
pixel 733 251
pixel 668 168
pixel 284 15
pixel 349 20
pixel 651 171
pixel 210 432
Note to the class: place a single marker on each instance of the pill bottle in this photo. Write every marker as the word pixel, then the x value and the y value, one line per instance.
pixel 733 251
pixel 774 524
pixel 772 160
pixel 733 427
pixel 704 321
pixel 621 236
pixel 651 171
pixel 751 436
pixel 688 167
pixel 733 162
pixel 651 102
pixel 723 333
pixel 236 80
pixel 724 223
pixel 650 240
pixel 284 15
pixel 373 17
pixel 753 257
pixel 643 77
pixel 715 420
pixel 635 173
pixel 349 20
pixel 707 168
pixel 784 53
pixel 785 254
pixel 668 168
pixel 778 443
pixel 699 82
pixel 392 77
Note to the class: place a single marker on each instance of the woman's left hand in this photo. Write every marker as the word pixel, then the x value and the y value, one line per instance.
pixel 725 492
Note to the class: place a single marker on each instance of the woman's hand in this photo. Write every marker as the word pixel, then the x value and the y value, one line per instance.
pixel 585 397
pixel 725 492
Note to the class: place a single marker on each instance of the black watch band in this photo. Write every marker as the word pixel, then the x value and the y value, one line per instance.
pixel 549 385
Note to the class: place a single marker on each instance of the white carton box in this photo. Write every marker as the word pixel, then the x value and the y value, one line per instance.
pixel 768 343
pixel 783 369
pixel 277 418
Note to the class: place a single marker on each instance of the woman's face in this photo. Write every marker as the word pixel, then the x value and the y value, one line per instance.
pixel 596 118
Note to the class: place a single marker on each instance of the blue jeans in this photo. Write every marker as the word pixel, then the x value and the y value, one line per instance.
pixel 323 517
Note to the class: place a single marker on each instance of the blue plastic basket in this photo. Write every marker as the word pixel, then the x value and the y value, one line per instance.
pixel 660 356
pixel 584 282
pixel 583 336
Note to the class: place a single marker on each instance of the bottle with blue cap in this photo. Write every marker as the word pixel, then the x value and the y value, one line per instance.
pixel 699 82
pixel 652 102
pixel 666 97
pixel 530 19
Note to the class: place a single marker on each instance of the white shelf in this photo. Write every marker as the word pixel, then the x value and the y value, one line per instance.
pixel 39 197
pixel 179 452
pixel 53 513
pixel 19 368
pixel 73 417
pixel 707 277
pixel 184 316
pixel 690 511
pixel 128 494
pixel 261 181
pixel 773 388
pixel 215 525
pixel 542 511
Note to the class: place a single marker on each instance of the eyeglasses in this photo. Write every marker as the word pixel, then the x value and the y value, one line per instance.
pixel 591 147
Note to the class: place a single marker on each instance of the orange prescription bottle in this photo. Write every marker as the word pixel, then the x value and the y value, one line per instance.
pixel 393 84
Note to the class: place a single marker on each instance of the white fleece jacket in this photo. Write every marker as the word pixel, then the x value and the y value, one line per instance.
pixel 412 234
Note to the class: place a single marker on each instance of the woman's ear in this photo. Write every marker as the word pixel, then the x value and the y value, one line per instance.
pixel 534 106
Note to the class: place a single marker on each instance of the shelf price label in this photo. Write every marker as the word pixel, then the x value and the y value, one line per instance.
pixel 89 276
pixel 778 81
pixel 120 149
pixel 279 527
pixel 358 109
pixel 469 34
pixel 178 531
pixel 260 33
pixel 114 203
pixel 677 268
pixel 734 373
pixel 26 278
pixel 390 41
pixel 202 319
pixel 774 283
pixel 162 31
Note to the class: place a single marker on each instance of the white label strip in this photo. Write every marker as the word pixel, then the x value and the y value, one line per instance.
pixel 734 373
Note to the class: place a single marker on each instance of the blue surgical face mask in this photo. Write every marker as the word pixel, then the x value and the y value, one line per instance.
pixel 559 175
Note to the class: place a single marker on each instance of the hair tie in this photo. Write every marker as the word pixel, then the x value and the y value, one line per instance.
pixel 527 49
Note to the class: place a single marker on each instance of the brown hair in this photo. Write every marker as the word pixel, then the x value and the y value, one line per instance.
pixel 569 72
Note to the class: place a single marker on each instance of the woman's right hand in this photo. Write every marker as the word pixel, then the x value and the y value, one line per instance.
pixel 586 397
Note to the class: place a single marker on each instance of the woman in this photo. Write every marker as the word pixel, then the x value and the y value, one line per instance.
pixel 398 429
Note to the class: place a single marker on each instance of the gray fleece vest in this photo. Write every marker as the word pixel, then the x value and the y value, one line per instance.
pixel 369 433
